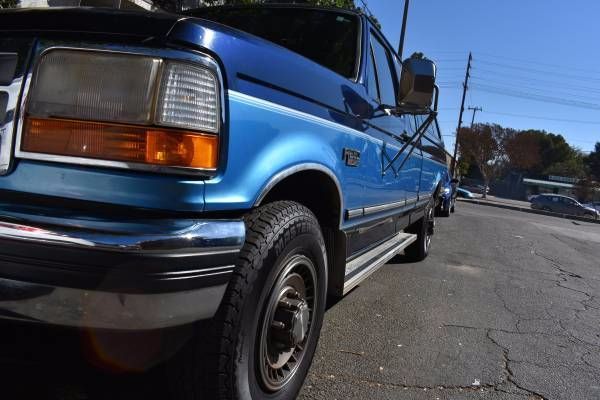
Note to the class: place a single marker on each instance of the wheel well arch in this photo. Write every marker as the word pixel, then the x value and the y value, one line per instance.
pixel 318 189
pixel 292 184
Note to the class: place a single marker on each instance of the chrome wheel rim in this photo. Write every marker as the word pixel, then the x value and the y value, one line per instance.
pixel 430 226
pixel 287 321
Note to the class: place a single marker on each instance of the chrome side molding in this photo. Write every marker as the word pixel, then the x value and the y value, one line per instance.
pixel 361 267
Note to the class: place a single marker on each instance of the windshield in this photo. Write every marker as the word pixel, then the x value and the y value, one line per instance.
pixel 300 30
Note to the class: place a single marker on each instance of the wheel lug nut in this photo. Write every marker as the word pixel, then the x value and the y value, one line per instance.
pixel 278 325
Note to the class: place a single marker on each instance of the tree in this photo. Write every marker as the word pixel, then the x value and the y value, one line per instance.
pixel 349 4
pixel 522 150
pixel 8 3
pixel 593 162
pixel 481 145
pixel 572 166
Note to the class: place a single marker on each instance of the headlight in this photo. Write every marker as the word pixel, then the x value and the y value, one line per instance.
pixel 446 190
pixel 123 108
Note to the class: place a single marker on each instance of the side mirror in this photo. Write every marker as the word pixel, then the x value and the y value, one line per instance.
pixel 417 83
pixel 454 181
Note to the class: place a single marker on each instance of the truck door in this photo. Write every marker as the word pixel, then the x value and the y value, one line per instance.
pixel 393 166
pixel 434 160
pixel 387 186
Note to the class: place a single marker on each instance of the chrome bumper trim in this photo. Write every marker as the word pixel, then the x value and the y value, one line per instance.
pixel 121 275
pixel 81 308
pixel 198 237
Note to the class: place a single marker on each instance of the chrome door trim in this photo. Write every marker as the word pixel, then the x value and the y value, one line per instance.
pixel 360 212
pixel 384 207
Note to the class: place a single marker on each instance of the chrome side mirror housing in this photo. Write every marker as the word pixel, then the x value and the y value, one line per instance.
pixel 417 84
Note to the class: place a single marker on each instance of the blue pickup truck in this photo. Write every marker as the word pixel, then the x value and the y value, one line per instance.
pixel 228 169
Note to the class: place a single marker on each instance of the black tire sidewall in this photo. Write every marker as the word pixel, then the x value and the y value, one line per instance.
pixel 246 381
pixel 418 250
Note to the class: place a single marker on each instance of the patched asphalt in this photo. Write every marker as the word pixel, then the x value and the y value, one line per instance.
pixel 507 306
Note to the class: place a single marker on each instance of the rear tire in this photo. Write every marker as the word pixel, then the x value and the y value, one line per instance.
pixel 445 212
pixel 264 335
pixel 423 228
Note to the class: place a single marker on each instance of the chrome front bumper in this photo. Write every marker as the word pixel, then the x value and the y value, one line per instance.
pixel 125 275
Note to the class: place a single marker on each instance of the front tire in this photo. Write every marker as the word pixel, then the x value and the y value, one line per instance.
pixel 266 330
pixel 445 212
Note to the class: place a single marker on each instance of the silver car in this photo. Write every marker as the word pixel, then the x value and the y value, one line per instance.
pixel 563 205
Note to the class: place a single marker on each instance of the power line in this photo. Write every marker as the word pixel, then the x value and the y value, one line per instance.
pixel 537 71
pixel 537 89
pixel 537 62
pixel 536 97
pixel 575 121
pixel 437 60
pixel 512 78
pixel 546 84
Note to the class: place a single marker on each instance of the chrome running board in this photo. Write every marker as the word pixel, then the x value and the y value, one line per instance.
pixel 364 265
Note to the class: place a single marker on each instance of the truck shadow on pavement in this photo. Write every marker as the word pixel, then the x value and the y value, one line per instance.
pixel 38 364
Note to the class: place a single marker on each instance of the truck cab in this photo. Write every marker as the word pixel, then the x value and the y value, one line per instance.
pixel 236 166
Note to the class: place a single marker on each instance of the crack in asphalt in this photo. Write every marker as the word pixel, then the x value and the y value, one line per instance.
pixel 472 388
pixel 510 377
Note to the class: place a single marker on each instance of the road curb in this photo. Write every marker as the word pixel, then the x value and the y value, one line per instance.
pixel 529 210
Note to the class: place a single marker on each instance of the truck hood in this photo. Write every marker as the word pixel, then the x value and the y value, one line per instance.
pixel 143 25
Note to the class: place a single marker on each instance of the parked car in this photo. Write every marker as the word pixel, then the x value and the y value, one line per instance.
pixel 461 192
pixel 477 189
pixel 234 165
pixel 594 204
pixel 564 205
pixel 446 201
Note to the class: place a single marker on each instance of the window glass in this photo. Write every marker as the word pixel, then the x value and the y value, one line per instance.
pixel 385 77
pixel 371 79
pixel 327 37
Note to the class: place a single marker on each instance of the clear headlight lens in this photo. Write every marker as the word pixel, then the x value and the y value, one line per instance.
pixel 446 190
pixel 127 108
pixel 188 98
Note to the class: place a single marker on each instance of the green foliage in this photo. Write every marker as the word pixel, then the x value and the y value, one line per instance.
pixel 571 167
pixel 593 162
pixel 530 152
pixel 482 146
pixel 349 4
pixel 8 3
pixel 334 3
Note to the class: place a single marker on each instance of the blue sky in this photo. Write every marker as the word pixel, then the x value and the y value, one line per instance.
pixel 547 49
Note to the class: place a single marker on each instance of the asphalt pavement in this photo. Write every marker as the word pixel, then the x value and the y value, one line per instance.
pixel 507 306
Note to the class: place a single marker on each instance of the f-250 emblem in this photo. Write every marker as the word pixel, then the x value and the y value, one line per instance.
pixel 351 157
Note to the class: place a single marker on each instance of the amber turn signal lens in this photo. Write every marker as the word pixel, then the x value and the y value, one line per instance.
pixel 114 142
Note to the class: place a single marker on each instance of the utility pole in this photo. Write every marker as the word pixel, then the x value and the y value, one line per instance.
pixel 474 109
pixel 462 109
pixel 403 30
